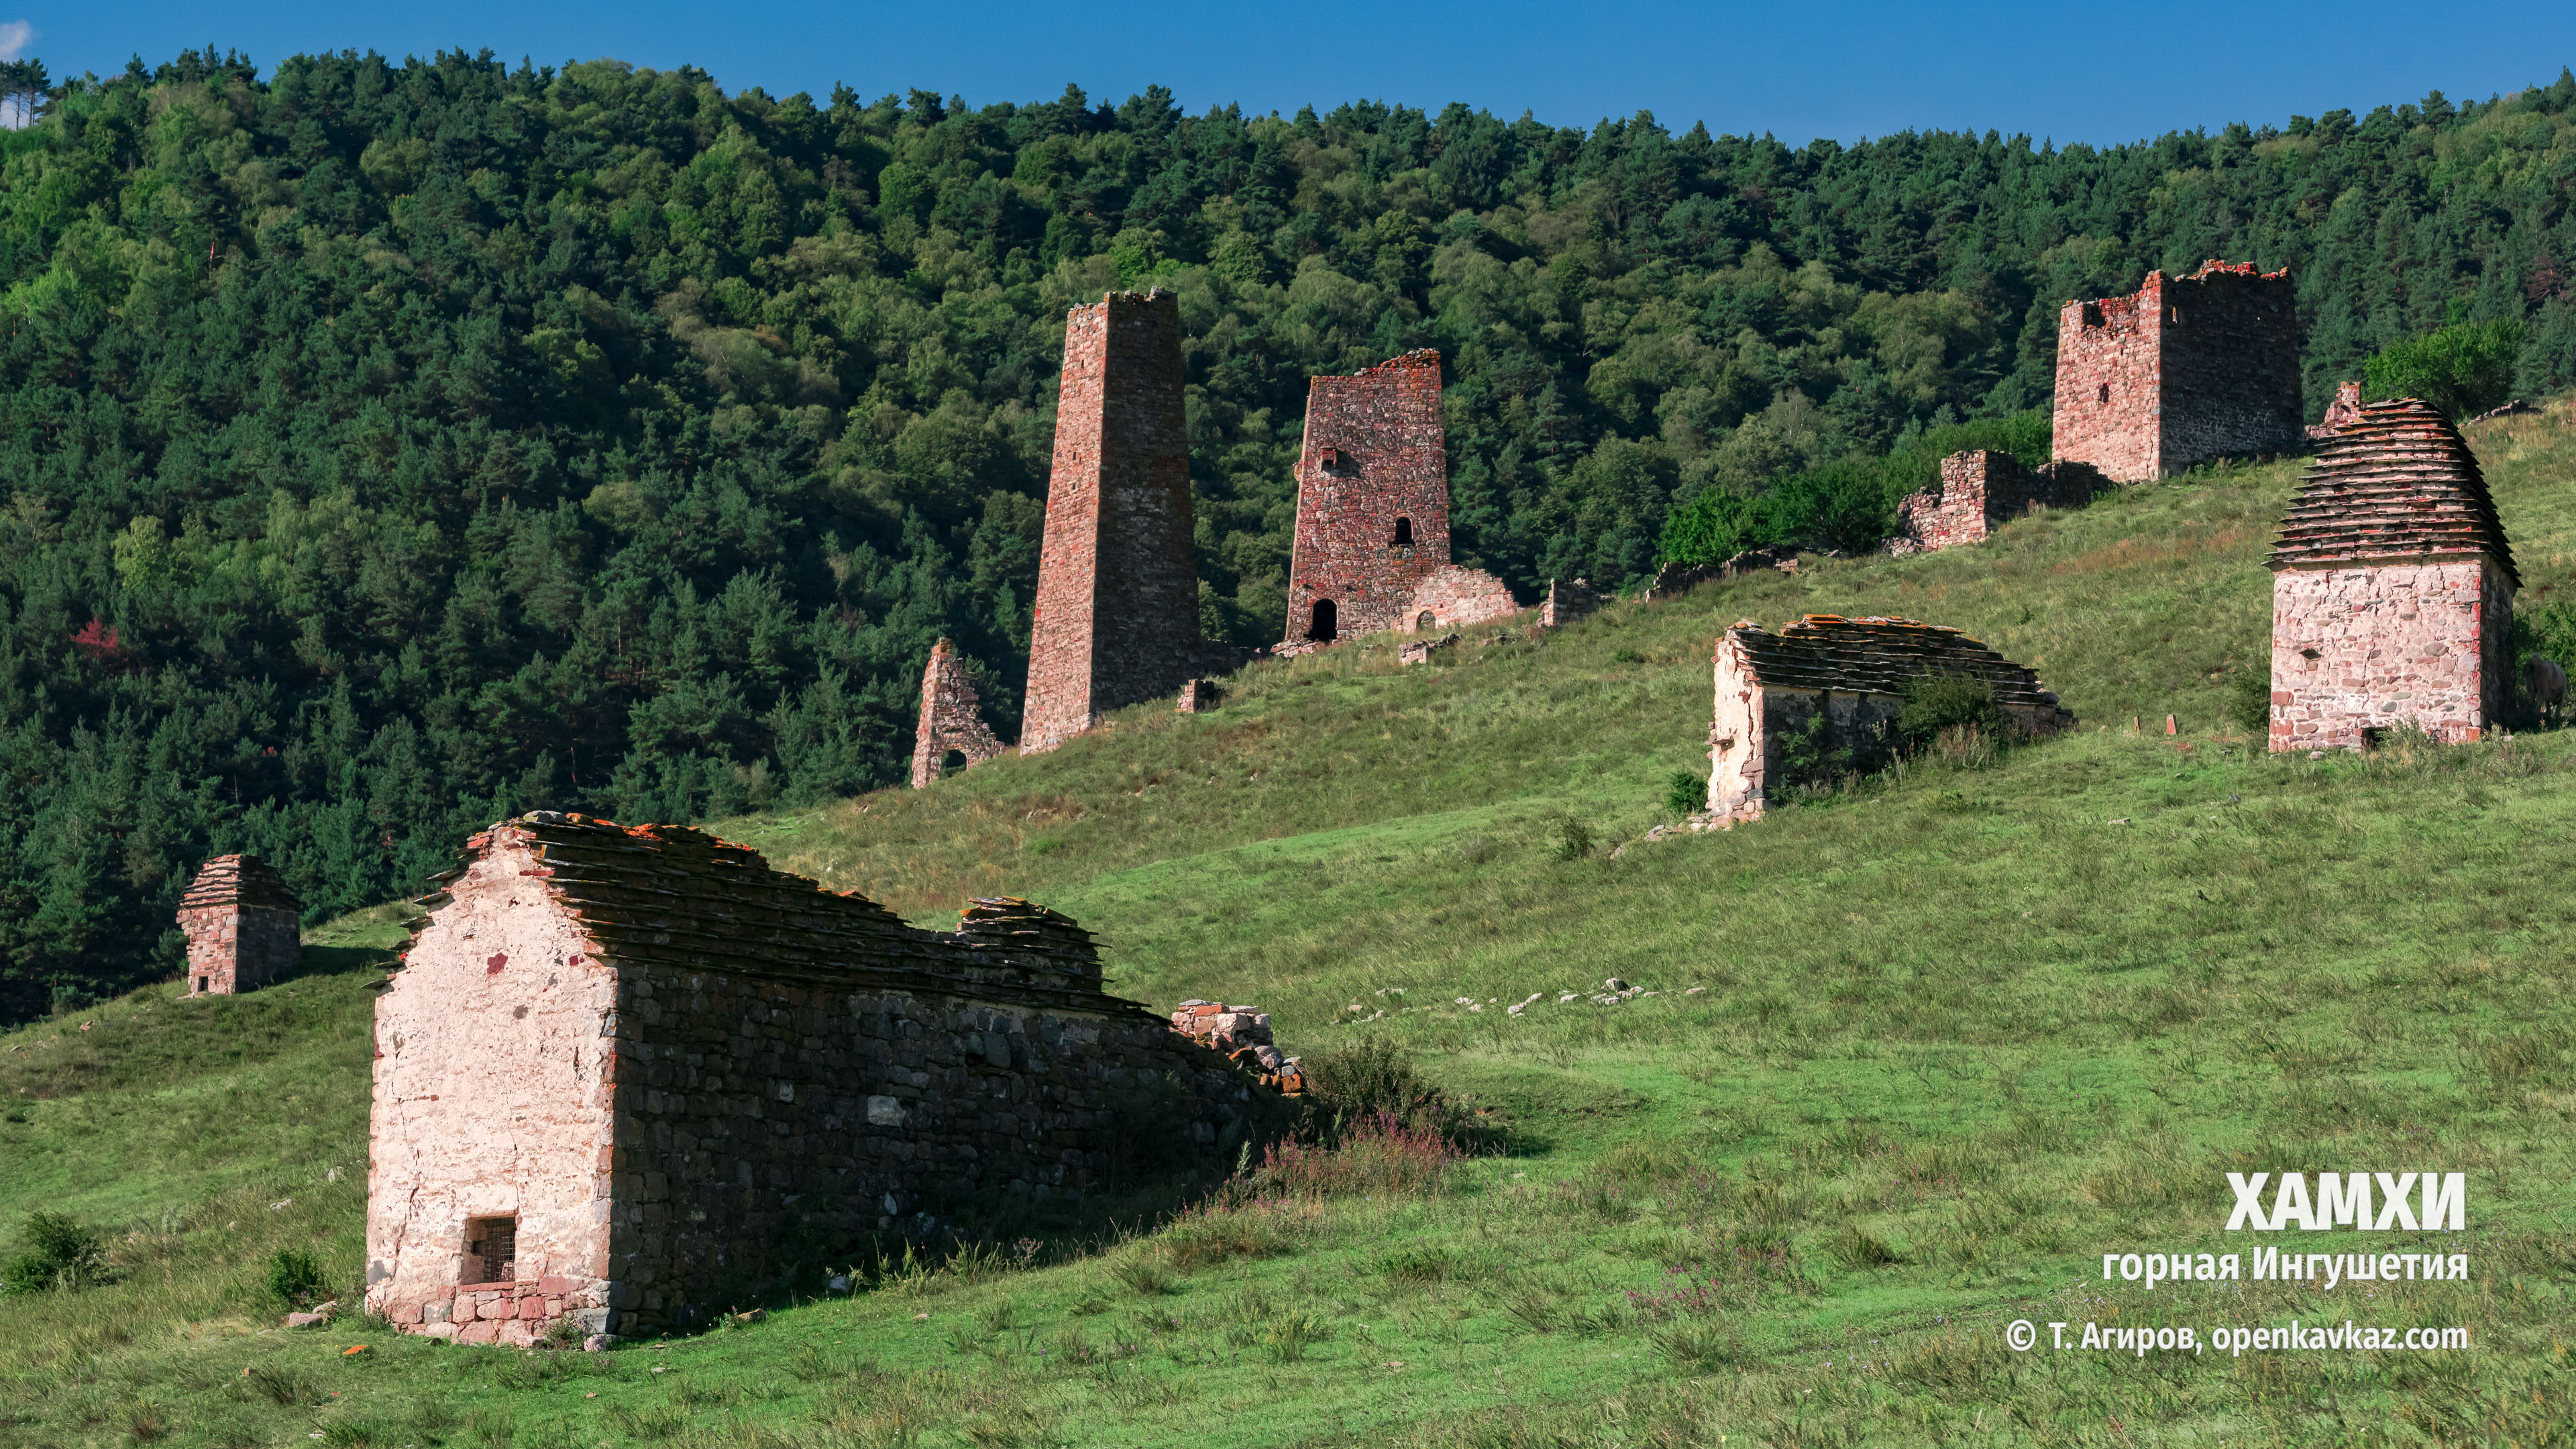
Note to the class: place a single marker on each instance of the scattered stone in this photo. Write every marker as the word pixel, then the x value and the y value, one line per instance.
pixel 1694 991
pixel 595 1343
pixel 1614 984
pixel 1419 651
pixel 1525 1003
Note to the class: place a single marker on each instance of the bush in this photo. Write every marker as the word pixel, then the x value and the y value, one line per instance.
pixel 2463 369
pixel 1573 839
pixel 1373 1079
pixel 2249 700
pixel 1685 793
pixel 295 1276
pixel 1848 503
pixel 58 1252
pixel 1944 702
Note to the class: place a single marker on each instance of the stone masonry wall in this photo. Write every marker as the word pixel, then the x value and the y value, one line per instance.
pixel 948 718
pixel 2360 647
pixel 495 1062
pixel 685 1074
pixel 1982 490
pixel 241 923
pixel 1453 598
pixel 1372 496
pixel 2185 370
pixel 1117 601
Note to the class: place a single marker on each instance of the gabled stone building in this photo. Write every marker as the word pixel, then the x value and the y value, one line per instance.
pixel 2392 588
pixel 1850 673
pixel 632 1076
pixel 240 920
pixel 2184 370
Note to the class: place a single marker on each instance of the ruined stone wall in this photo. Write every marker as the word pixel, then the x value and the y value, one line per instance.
pixel 2360 647
pixel 2109 381
pixel 2230 366
pixel 495 1062
pixel 1567 601
pixel 687 1074
pixel 1117 602
pixel 948 718
pixel 2185 370
pixel 1982 490
pixel 1372 496
pixel 1453 598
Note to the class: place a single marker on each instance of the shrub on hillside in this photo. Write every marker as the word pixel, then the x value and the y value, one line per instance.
pixel 1685 793
pixel 2463 369
pixel 1377 1156
pixel 58 1251
pixel 2249 700
pixel 1946 702
pixel 295 1276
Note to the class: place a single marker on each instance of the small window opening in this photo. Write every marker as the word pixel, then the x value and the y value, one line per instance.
pixel 2103 394
pixel 1322 630
pixel 492 1249
pixel 2092 314
pixel 1338 463
pixel 1425 620
pixel 951 762
pixel 1404 533
pixel 2373 736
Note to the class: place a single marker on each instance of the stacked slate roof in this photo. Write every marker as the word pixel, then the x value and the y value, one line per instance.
pixel 674 896
pixel 1883 656
pixel 2397 482
pixel 239 880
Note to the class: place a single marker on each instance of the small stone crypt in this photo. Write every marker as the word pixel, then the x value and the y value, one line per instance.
pixel 2392 589
pixel 628 1077
pixel 1853 673
pixel 240 920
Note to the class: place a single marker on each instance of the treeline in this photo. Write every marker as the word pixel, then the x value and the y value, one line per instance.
pixel 388 447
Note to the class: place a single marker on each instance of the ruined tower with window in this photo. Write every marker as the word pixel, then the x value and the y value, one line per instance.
pixel 1117 618
pixel 240 921
pixel 949 720
pixel 2185 370
pixel 2392 589
pixel 1371 551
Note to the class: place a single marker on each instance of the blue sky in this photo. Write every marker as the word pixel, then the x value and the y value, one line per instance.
pixel 2095 72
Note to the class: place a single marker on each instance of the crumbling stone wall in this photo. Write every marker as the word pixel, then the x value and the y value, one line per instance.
pixel 2392 588
pixel 2340 413
pixel 1453 598
pixel 1982 490
pixel 240 920
pixel 1372 497
pixel 1118 591
pixel 684 1073
pixel 1567 601
pixel 948 718
pixel 2186 370
pixel 1851 672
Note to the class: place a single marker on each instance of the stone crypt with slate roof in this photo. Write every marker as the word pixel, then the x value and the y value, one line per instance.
pixel 632 1076
pixel 240 921
pixel 2392 589
pixel 1854 673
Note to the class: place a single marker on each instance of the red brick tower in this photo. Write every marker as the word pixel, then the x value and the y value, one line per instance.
pixel 2188 369
pixel 240 920
pixel 1118 588
pixel 1372 499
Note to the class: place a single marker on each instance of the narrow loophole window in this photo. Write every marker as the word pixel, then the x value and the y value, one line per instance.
pixel 1323 627
pixel 2104 394
pixel 1404 533
pixel 492 1249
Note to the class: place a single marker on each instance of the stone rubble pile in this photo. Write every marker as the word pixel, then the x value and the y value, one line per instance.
pixel 1242 1035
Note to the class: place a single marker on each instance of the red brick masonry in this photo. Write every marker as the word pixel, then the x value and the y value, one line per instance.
pixel 240 920
pixel 2392 588
pixel 948 718
pixel 2186 370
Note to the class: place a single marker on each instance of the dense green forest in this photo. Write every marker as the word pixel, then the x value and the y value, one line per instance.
pixel 388 447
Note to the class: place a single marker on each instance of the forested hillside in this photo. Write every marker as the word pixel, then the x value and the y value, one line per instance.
pixel 387 448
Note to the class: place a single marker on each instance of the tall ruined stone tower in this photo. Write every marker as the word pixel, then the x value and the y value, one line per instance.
pixel 2392 589
pixel 1118 588
pixel 2188 369
pixel 1372 499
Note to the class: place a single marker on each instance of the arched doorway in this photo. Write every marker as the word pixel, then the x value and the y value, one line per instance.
pixel 1425 622
pixel 1322 629
pixel 1404 533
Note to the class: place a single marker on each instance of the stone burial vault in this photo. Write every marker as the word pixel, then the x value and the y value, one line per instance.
pixel 2392 588
pixel 633 1076
pixel 1854 673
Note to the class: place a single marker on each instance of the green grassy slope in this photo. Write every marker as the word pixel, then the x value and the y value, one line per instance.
pixel 1954 1037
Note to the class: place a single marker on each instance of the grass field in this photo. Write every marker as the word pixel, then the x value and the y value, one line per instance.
pixel 1919 1055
